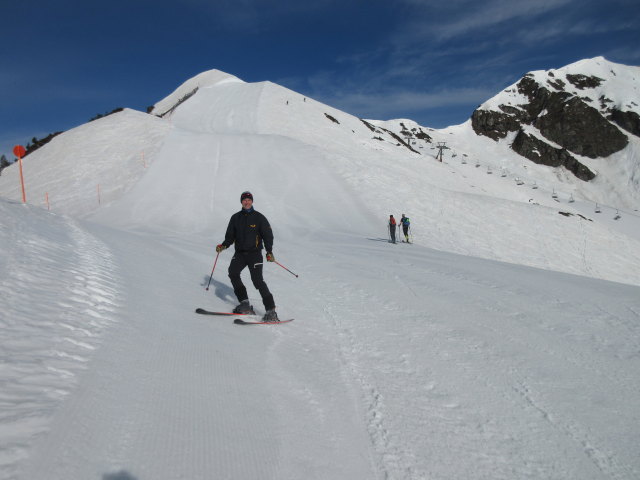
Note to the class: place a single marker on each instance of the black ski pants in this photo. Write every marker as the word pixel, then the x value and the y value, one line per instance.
pixel 392 231
pixel 254 261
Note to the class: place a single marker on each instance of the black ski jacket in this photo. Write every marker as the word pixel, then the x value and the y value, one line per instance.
pixel 248 230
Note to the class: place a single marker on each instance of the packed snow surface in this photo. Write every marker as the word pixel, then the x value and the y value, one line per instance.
pixel 503 343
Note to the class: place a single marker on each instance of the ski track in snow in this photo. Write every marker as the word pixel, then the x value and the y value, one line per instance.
pixel 448 405
pixel 378 377
pixel 192 395
pixel 60 296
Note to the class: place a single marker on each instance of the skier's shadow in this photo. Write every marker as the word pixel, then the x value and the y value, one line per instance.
pixel 121 475
pixel 222 290
pixel 379 240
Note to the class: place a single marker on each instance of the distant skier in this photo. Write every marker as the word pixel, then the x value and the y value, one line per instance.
pixel 248 229
pixel 405 222
pixel 392 228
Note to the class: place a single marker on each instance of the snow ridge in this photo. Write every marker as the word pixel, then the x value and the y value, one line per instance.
pixel 61 293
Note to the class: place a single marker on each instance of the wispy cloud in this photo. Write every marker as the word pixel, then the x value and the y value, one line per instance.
pixel 480 16
pixel 472 47
pixel 392 104
pixel 377 58
pixel 628 55
pixel 564 27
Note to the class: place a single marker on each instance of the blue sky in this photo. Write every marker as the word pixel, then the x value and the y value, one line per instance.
pixel 433 61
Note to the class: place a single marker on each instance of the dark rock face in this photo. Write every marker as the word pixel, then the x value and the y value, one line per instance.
pixel 583 81
pixel 580 128
pixel 630 121
pixel 561 117
pixel 492 124
pixel 541 152
pixel 415 133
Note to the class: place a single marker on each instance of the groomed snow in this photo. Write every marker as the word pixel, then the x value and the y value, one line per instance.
pixel 403 361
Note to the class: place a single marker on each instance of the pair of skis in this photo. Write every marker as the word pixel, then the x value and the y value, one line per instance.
pixel 239 321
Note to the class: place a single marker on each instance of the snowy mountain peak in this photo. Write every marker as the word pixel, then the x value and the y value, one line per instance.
pixel 600 67
pixel 589 79
pixel 604 85
pixel 570 117
pixel 190 87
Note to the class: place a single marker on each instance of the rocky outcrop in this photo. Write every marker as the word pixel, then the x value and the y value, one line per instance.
pixel 541 152
pixel 579 128
pixel 495 125
pixel 630 121
pixel 584 81
pixel 562 114
pixel 180 101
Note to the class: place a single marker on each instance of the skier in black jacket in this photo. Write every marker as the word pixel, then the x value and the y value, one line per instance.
pixel 249 230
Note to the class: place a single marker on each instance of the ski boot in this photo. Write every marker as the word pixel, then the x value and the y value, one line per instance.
pixel 244 308
pixel 271 316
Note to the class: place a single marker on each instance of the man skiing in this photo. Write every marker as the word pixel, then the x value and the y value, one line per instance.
pixel 248 229
pixel 404 221
pixel 392 228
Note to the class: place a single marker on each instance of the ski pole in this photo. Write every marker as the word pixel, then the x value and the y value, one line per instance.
pixel 214 267
pixel 286 269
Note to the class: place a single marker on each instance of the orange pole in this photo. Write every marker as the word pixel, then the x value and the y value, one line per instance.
pixel 46 196
pixel 24 195
pixel 98 194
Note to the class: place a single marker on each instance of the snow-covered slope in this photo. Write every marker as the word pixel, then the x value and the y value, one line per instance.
pixel 403 362
pixel 61 291
pixel 230 136
pixel 90 165
pixel 269 109
pixel 211 77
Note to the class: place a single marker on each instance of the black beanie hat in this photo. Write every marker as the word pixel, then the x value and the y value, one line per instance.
pixel 246 195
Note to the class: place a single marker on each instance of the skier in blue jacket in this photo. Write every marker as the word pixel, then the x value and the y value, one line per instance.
pixel 405 222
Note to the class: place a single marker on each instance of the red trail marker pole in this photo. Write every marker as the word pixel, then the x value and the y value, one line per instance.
pixel 20 152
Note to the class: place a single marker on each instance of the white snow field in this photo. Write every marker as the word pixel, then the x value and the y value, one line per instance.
pixel 504 343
